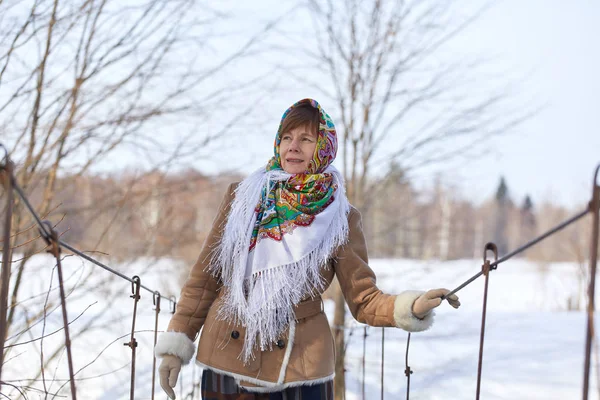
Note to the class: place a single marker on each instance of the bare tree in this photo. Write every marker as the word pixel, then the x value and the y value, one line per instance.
pixel 398 96
pixel 86 83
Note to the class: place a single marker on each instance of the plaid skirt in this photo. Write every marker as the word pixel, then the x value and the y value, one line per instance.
pixel 222 387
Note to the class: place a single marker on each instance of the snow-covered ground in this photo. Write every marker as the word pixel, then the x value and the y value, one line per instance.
pixel 534 347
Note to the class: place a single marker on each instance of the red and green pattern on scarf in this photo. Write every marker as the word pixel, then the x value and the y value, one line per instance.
pixel 285 205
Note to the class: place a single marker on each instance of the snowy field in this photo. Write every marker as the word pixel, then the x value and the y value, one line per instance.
pixel 534 347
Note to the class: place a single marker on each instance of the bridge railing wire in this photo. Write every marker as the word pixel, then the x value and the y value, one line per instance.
pixel 55 244
pixel 491 265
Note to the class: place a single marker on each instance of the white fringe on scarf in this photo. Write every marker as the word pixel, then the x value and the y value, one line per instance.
pixel 262 301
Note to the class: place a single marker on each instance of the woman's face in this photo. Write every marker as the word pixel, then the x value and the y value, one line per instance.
pixel 296 149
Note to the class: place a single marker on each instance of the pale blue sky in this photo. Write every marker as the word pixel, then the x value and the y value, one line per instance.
pixel 549 46
pixel 556 44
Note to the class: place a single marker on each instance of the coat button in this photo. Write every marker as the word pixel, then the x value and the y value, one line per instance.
pixel 280 344
pixel 235 334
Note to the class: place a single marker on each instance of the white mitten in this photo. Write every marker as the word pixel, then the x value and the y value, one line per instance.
pixel 430 300
pixel 168 372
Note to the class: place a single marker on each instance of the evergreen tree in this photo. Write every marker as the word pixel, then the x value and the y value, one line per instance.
pixel 502 215
pixel 527 221
pixel 502 191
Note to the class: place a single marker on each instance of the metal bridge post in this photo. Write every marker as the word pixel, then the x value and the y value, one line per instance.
pixel 594 207
pixel 6 176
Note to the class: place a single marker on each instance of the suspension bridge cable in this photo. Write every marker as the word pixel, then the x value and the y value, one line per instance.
pixel 527 245
pixel 47 236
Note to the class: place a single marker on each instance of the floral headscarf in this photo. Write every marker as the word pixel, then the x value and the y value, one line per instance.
pixel 285 205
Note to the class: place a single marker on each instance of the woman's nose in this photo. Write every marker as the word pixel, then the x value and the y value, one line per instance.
pixel 295 145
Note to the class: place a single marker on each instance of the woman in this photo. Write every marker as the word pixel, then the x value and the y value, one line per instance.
pixel 279 238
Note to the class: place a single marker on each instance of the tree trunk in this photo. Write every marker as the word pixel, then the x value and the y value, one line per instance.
pixel 339 320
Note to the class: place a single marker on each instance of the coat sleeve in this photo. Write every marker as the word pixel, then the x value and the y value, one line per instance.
pixel 197 295
pixel 367 303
